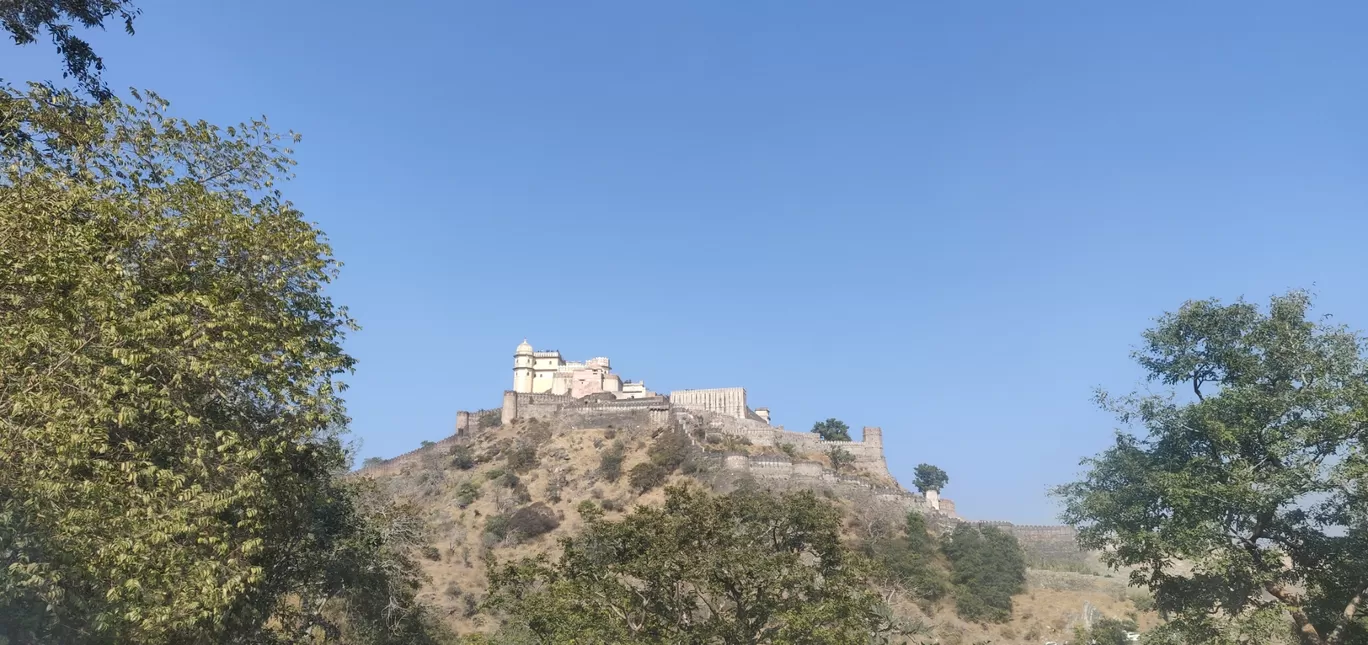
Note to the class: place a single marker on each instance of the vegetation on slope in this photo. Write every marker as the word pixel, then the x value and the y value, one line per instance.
pixel 747 567
pixel 902 560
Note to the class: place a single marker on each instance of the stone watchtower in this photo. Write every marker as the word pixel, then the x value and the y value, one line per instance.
pixel 522 367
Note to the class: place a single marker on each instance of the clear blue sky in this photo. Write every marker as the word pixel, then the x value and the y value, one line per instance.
pixel 951 220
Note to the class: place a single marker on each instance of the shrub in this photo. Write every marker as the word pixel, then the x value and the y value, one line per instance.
pixel 452 590
pixel 462 458
pixel 610 434
pixel 466 493
pixel 669 450
pixel 693 464
pixel 553 487
pixel 646 476
pixel 522 458
pixel 789 449
pixel 612 505
pixel 496 527
pixel 538 432
pixel 431 553
pixel 425 444
pixel 1110 631
pixel 533 520
pixel 610 462
pixel 509 480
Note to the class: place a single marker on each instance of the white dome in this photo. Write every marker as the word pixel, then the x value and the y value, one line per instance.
pixel 524 348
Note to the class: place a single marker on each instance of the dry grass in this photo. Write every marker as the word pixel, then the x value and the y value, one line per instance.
pixel 570 460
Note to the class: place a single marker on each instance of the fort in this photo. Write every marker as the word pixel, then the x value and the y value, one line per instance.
pixel 582 395
pixel 574 395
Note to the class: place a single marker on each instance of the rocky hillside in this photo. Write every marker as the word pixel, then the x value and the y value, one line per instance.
pixel 512 491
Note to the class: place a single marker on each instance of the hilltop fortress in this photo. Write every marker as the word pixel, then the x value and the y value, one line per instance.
pixel 573 395
pixel 587 394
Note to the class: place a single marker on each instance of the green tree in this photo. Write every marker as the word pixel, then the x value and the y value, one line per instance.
pixel 748 567
pixel 928 477
pixel 987 569
pixel 1107 631
pixel 170 428
pixel 832 430
pixel 1243 501
pixel 26 20
pixel 840 458
pixel 610 461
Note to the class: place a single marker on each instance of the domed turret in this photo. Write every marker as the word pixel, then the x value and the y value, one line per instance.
pixel 522 367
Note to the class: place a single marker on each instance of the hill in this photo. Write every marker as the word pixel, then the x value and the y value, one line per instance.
pixel 512 490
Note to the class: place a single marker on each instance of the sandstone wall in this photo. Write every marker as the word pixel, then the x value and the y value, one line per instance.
pixel 730 401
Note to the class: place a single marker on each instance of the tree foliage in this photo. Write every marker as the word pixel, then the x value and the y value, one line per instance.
pixel 908 560
pixel 748 567
pixel 1106 631
pixel 928 477
pixel 987 569
pixel 840 458
pixel 1250 473
pixel 610 461
pixel 832 430
pixel 26 20
pixel 169 410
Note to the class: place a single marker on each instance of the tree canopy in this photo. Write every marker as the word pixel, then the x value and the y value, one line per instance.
pixel 26 20
pixel 1241 502
pixel 832 430
pixel 987 569
pixel 749 567
pixel 908 559
pixel 928 477
pixel 169 409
